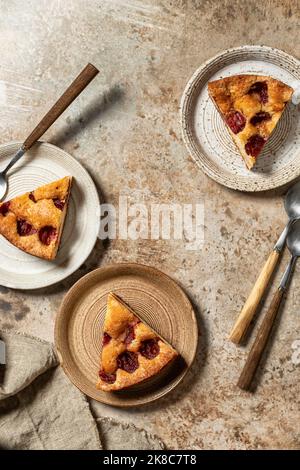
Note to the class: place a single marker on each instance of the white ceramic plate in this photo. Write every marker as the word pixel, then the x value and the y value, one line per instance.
pixel 42 164
pixel 207 138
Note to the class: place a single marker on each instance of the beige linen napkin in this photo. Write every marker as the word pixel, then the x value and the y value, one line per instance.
pixel 41 409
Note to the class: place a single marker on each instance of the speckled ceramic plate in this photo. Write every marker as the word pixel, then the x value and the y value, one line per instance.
pixel 42 164
pixel 210 143
pixel 155 297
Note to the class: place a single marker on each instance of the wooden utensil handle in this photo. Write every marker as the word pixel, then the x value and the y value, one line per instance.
pixel 260 342
pixel 78 85
pixel 249 309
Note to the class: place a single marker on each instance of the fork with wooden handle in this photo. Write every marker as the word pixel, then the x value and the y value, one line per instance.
pixel 292 207
pixel 261 340
pixel 244 319
pixel 76 87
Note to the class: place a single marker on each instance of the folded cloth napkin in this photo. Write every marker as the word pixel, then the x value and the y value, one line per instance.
pixel 41 409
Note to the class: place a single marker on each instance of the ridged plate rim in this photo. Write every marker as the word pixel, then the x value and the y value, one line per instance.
pixel 27 283
pixel 64 319
pixel 243 53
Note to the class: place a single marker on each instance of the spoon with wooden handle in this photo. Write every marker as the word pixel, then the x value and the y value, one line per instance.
pixel 292 207
pixel 256 352
pixel 76 87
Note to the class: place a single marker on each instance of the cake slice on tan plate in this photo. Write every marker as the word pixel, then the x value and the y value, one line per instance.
pixel 131 351
pixel 251 106
pixel 34 221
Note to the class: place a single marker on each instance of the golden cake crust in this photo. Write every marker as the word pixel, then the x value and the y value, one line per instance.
pixel 259 99
pixel 118 319
pixel 38 209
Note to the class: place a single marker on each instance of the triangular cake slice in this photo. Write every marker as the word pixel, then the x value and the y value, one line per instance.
pixel 131 351
pixel 34 221
pixel 251 106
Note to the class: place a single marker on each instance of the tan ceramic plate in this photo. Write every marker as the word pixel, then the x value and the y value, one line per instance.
pixel 207 138
pixel 155 297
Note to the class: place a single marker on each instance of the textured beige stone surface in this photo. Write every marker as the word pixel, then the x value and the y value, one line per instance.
pixel 125 130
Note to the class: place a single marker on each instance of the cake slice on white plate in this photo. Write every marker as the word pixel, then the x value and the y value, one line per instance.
pixel 251 106
pixel 34 222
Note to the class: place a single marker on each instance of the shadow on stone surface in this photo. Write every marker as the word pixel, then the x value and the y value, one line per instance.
pixel 91 113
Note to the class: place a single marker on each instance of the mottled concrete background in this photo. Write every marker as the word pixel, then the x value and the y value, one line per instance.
pixel 125 130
